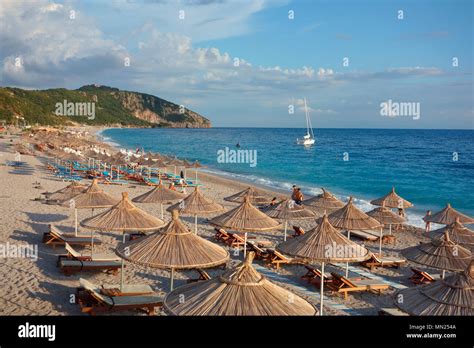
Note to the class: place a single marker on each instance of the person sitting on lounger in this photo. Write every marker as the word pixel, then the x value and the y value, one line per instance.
pixel 274 201
pixel 172 187
pixel 298 196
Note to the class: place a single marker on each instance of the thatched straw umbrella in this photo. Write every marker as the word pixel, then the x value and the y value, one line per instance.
pixel 173 247
pixel 196 204
pixel 458 233
pixel 451 296
pixel 91 198
pixel 386 217
pixel 447 216
pixel 241 291
pixel 441 254
pixel 71 190
pixel 123 217
pixel 196 165
pixel 175 162
pixel 323 203
pixel 159 194
pixel 288 210
pixel 392 200
pixel 245 218
pixel 350 218
pixel 256 196
pixel 324 244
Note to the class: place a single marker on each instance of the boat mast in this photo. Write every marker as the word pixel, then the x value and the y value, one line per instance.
pixel 306 114
pixel 309 126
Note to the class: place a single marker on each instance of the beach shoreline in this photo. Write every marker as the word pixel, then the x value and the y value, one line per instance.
pixel 24 220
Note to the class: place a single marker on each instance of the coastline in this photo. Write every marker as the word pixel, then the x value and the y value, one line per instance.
pixel 25 220
pixel 278 187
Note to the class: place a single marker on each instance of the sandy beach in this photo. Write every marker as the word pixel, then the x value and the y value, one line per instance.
pixel 37 287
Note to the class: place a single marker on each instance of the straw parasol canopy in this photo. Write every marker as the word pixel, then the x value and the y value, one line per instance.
pixel 451 296
pixel 386 217
pixel 313 246
pixel 324 244
pixel 288 210
pixel 447 216
pixel 239 291
pixel 458 233
pixel 196 165
pixel 351 218
pixel 245 218
pixel 441 254
pixel 174 246
pixel 159 194
pixel 256 196
pixel 324 202
pixel 392 200
pixel 92 197
pixel 73 189
pixel 196 204
pixel 124 217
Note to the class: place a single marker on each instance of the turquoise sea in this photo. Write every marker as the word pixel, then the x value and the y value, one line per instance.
pixel 427 167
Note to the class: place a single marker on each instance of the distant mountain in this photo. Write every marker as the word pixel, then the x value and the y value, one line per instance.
pixel 95 105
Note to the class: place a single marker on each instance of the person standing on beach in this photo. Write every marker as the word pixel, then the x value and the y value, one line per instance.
pixel 428 224
pixel 293 193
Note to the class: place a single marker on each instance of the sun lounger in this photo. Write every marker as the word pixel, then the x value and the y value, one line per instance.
pixel 276 258
pixel 344 285
pixel 55 237
pixel 260 254
pixel 422 277
pixel 203 275
pixel 392 312
pixel 298 231
pixel 384 261
pixel 364 235
pixel 313 276
pixel 74 254
pixel 221 235
pixel 127 289
pixel 71 266
pixel 93 301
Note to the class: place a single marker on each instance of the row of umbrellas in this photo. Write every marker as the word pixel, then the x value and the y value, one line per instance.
pixel 239 291
pixel 245 217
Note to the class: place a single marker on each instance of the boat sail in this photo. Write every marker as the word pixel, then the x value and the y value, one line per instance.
pixel 308 139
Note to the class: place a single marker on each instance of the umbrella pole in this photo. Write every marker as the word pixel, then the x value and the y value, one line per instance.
pixel 195 224
pixel 92 242
pixel 171 279
pixel 122 267
pixel 322 289
pixel 75 222
pixel 347 269
pixel 196 172
pixel 161 204
pixel 245 245
pixel 286 226
pixel 390 229
pixel 380 242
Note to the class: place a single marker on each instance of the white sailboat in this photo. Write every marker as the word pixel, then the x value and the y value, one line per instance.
pixel 308 139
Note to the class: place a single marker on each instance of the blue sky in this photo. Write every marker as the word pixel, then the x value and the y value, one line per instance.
pixel 190 60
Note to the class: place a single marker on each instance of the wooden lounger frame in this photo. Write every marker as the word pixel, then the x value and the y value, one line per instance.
pixel 421 277
pixel 377 261
pixel 345 285
pixel 93 302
